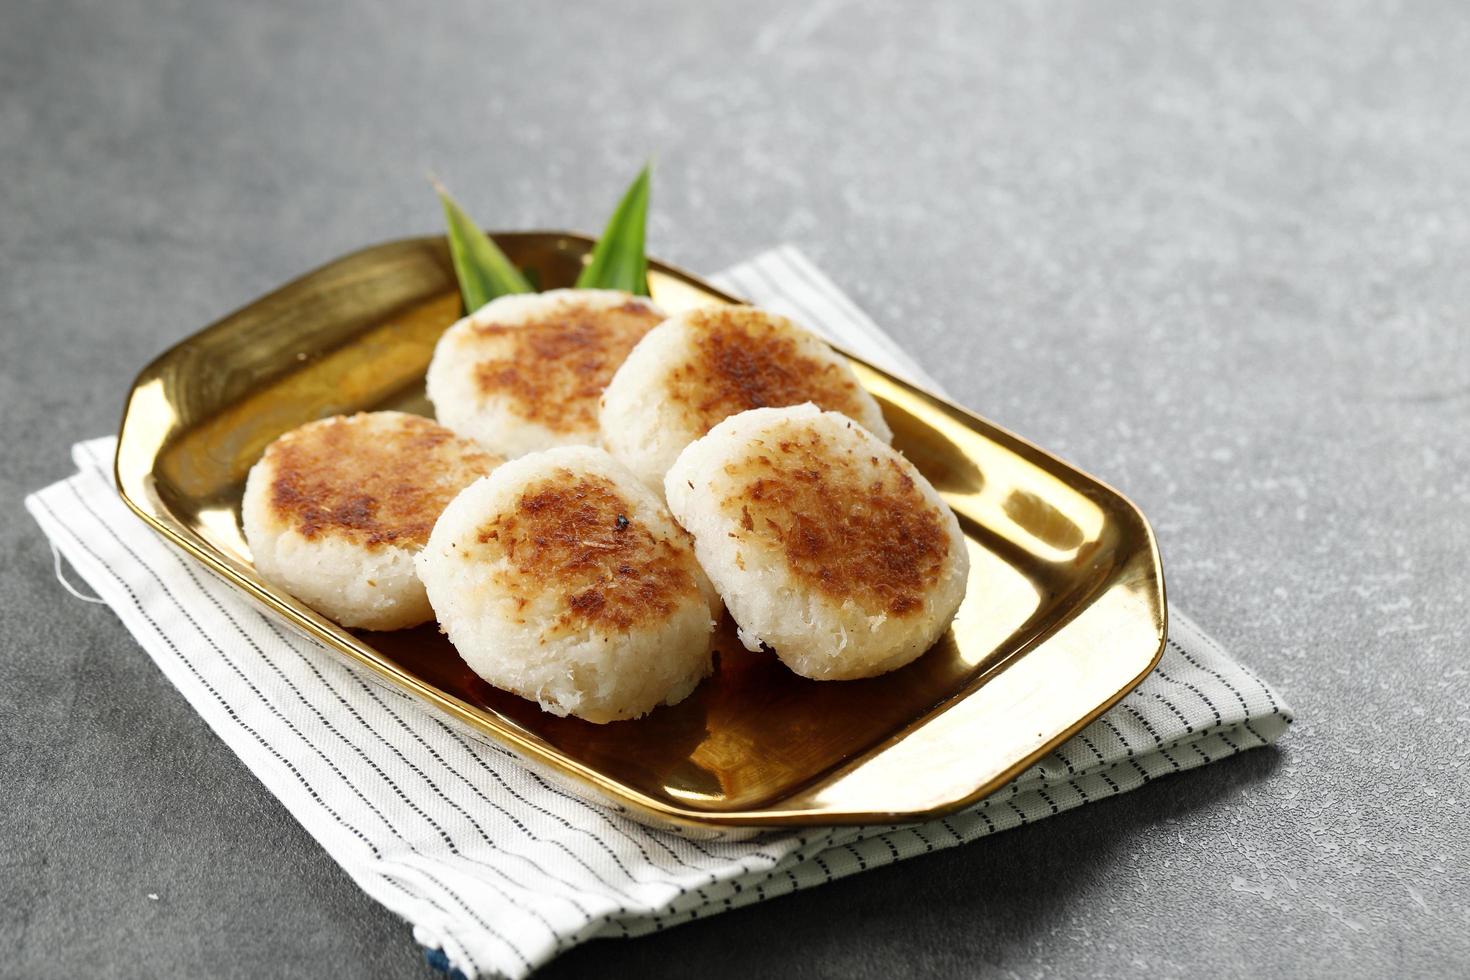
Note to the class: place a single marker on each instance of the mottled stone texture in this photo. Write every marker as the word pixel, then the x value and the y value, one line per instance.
pixel 1218 253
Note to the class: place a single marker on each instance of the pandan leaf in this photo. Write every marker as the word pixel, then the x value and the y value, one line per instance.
pixel 618 261
pixel 481 267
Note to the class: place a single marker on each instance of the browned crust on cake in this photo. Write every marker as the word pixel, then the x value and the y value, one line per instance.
pixel 371 480
pixel 745 358
pixel 575 536
pixel 850 526
pixel 552 370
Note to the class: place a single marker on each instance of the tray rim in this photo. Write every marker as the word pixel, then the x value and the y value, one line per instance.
pixel 568 772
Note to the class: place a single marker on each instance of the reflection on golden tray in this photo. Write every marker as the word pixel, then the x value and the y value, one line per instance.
pixel 1065 611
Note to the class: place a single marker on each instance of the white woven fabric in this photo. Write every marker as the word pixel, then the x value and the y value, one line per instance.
pixel 491 864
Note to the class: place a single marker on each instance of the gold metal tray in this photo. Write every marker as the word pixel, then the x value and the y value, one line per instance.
pixel 1065 611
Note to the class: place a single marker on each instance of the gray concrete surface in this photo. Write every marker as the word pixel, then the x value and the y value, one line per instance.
pixel 1217 253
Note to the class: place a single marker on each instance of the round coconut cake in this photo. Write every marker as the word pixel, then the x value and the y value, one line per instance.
pixel 825 544
pixel 700 367
pixel 335 510
pixel 563 579
pixel 525 372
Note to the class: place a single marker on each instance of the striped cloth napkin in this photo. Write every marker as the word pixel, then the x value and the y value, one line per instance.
pixel 499 870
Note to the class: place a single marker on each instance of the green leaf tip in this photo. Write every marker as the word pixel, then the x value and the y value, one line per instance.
pixel 618 260
pixel 480 266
